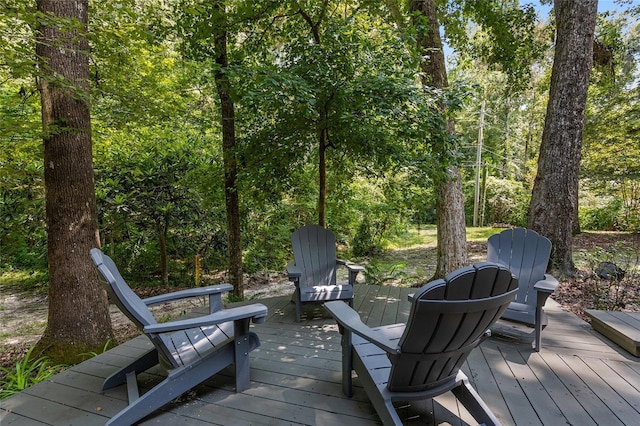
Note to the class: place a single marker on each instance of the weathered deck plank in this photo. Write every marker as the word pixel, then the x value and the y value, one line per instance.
pixel 544 408
pixel 608 389
pixel 576 385
pixel 577 378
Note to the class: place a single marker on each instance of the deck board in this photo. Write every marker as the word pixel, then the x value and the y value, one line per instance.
pixel 556 388
pixel 484 381
pixel 545 410
pixel 576 385
pixel 579 377
pixel 609 390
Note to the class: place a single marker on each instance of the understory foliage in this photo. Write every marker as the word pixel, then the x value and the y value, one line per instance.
pixel 613 282
pixel 503 201
pixel 157 143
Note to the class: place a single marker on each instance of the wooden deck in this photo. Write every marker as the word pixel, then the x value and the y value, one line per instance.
pixel 578 378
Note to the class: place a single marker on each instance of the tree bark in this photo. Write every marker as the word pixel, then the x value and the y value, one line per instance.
pixel 78 319
pixel 451 227
pixel 323 143
pixel 162 230
pixel 232 201
pixel 554 200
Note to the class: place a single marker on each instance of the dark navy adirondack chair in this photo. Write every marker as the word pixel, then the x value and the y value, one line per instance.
pixel 191 350
pixel 526 253
pixel 314 267
pixel 422 359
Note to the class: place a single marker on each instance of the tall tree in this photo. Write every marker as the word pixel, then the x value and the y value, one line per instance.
pixel 223 86
pixel 334 94
pixel 323 118
pixel 554 200
pixel 205 28
pixel 611 153
pixel 451 229
pixel 78 308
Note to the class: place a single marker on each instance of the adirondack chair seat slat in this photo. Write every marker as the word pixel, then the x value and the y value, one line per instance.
pixel 190 350
pixel 189 345
pixel 314 268
pixel 422 359
pixel 325 293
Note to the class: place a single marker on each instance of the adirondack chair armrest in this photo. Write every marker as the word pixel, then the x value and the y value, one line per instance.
pixel 184 294
pixel 349 320
pixel 352 266
pixel 353 269
pixel 257 312
pixel 214 292
pixel 294 272
pixel 547 285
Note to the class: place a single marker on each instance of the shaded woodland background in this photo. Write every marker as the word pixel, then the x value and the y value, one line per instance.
pixel 157 138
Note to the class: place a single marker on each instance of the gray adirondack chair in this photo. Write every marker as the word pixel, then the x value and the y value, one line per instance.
pixel 314 267
pixel 191 350
pixel 422 358
pixel 526 253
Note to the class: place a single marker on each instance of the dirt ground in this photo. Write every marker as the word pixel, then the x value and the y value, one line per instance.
pixel 23 316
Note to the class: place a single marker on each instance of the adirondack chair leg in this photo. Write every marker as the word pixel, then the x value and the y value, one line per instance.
pixel 175 384
pixel 540 317
pixel 215 302
pixel 347 362
pixel 155 398
pixel 538 328
pixel 142 363
pixel 241 354
pixel 387 412
pixel 133 392
pixel 297 305
pixel 352 277
pixel 378 396
pixel 468 396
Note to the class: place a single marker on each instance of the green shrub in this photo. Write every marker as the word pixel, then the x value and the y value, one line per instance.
pixel 364 243
pixel 507 201
pixel 604 218
pixel 377 274
pixel 610 293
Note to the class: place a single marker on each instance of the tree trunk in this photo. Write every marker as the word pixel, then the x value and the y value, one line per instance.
pixel 78 319
pixel 323 122
pixel 554 200
pixel 232 201
pixel 322 171
pixel 162 228
pixel 452 234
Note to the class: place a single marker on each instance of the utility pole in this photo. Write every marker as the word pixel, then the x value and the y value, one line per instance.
pixel 476 201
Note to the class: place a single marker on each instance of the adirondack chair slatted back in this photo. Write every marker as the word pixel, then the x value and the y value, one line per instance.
pixel 314 251
pixel 526 253
pixel 448 319
pixel 130 304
